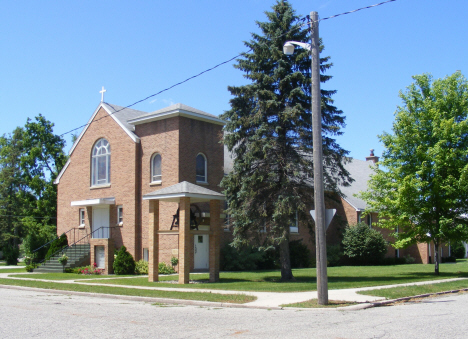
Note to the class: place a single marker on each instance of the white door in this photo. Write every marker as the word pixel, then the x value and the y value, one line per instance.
pixel 100 222
pixel 201 248
pixel 100 257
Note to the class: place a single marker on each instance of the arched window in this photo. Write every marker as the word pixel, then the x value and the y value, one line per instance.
pixel 100 163
pixel 201 168
pixel 156 167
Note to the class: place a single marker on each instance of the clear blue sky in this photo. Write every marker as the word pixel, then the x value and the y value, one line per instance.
pixel 56 55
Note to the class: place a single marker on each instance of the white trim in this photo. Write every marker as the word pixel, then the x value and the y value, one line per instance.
pixel 152 168
pixel 183 195
pixel 174 113
pixel 59 176
pixel 130 133
pixel 82 220
pixel 350 204
pixel 205 182
pixel 94 202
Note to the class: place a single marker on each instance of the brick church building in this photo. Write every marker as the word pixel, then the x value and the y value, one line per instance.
pixel 150 181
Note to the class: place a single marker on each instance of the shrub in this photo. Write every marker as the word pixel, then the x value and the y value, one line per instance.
pixel 141 267
pixel 299 254
pixel 11 254
pixel 87 270
pixel 363 245
pixel 449 259
pixel 458 250
pixel 334 255
pixel 57 245
pixel 31 267
pixel 409 259
pixel 174 261
pixel 124 262
pixel 164 268
pixel 240 259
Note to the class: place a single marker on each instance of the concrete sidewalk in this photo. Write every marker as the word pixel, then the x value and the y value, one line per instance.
pixel 264 299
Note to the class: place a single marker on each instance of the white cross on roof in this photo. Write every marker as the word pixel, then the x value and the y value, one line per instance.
pixel 102 93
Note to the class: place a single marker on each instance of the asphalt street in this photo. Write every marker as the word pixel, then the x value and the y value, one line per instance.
pixel 31 314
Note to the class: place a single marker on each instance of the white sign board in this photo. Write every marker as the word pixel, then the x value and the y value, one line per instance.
pixel 329 214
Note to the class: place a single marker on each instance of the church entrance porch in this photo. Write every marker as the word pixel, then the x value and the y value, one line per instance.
pixel 208 249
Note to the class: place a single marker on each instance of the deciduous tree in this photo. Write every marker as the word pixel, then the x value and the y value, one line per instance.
pixel 420 187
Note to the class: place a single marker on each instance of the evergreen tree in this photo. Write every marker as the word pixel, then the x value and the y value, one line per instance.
pixel 269 132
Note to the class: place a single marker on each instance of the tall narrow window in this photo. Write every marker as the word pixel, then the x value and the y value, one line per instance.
pixel 201 168
pixel 294 228
pixel 82 216
pixel 156 168
pixel 120 215
pixel 100 163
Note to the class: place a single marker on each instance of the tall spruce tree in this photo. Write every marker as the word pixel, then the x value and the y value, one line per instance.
pixel 269 132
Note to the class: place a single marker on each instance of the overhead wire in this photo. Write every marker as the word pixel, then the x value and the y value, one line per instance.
pixel 305 20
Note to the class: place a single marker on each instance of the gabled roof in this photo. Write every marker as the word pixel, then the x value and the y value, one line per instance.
pixel 184 189
pixel 360 171
pixel 176 110
pixel 119 114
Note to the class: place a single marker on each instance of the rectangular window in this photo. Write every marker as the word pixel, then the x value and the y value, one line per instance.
pixel 369 220
pixel 82 216
pixel 120 215
pixel 145 254
pixel 294 228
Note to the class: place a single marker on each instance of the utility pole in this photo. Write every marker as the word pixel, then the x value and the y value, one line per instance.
pixel 319 200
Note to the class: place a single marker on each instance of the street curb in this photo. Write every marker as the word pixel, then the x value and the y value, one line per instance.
pixel 144 299
pixel 426 295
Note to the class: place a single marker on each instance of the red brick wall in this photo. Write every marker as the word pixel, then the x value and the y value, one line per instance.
pixel 75 183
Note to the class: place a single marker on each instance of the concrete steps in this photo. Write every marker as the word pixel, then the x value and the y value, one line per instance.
pixel 78 255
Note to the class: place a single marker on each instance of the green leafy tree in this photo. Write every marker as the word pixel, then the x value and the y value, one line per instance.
pixel 269 132
pixel 13 195
pixel 364 245
pixel 420 187
pixel 30 159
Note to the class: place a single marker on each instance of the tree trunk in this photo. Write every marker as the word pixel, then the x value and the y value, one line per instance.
pixel 286 272
pixel 436 257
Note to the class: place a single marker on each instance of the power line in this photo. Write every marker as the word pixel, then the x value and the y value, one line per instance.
pixel 306 18
pixel 356 10
pixel 305 21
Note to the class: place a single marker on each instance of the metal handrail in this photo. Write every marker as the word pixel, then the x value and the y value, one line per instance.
pixel 37 249
pixel 78 241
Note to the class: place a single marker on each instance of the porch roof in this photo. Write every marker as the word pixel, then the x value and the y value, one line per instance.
pixel 184 189
pixel 94 202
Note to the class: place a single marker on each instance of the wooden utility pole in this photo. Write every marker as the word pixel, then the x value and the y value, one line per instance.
pixel 319 199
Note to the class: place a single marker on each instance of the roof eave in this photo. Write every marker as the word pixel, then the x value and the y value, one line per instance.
pixel 174 113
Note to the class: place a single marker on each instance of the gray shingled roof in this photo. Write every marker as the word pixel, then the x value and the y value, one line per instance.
pixel 184 188
pixel 124 114
pixel 359 170
pixel 176 108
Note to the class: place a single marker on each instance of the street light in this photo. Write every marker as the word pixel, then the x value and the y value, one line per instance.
pixel 319 200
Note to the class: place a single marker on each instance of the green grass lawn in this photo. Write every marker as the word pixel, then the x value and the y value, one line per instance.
pixel 61 276
pixel 409 291
pixel 338 278
pixel 224 298
pixel 13 270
